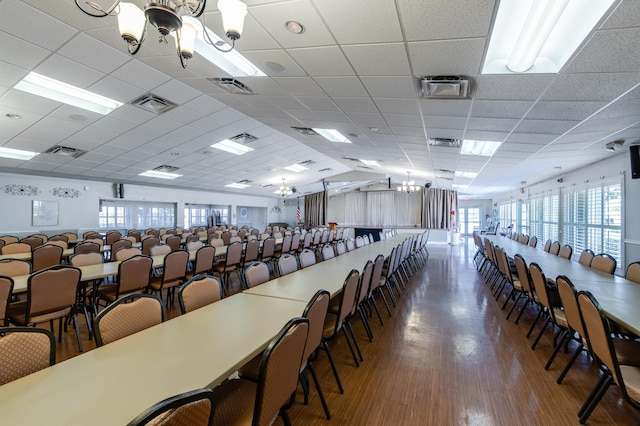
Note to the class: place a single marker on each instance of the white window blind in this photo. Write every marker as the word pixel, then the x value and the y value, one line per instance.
pixel 544 216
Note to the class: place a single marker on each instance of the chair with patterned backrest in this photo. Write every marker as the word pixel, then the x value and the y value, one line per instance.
pixel 307 258
pixel 361 298
pixel 14 267
pixel 199 291
pixel 230 263
pixel 533 241
pixel 111 237
pixel 613 370
pixel 8 239
pixel 91 234
pixel 87 247
pixel 127 315
pixel 268 250
pixel 327 252
pixel 159 250
pixel 133 276
pixel 604 262
pixel 87 293
pixel 586 257
pixel 341 248
pixel 127 252
pixel 335 323
pixel 147 243
pixel 257 273
pixel 633 272
pixel 216 242
pixel 377 285
pixel 205 256
pixel 118 244
pixel 359 241
pixel 32 241
pixel 25 350
pixel 194 245
pixel 51 295
pixel 193 408
pixel 6 287
pixel 251 253
pixel 45 256
pixel 547 246
pixel 555 248
pixel 59 243
pixel 14 248
pixel 351 244
pixel 241 401
pixel 287 264
pixel 173 275
pixel 566 251
pixel 98 240
pixel 554 315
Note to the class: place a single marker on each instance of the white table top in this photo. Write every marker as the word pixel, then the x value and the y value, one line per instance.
pixel 328 275
pixel 619 297
pixel 112 384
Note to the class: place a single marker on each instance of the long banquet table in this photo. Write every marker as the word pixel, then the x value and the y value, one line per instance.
pixel 619 298
pixel 112 384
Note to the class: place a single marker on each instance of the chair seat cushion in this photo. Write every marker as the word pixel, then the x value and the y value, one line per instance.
pixel 631 377
pixel 561 317
pixel 17 314
pixel 627 351
pixel 107 292
pixel 235 400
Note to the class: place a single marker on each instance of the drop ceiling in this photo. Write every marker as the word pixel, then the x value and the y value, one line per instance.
pixel 356 68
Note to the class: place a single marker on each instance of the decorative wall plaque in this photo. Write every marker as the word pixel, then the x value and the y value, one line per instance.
pixel 21 190
pixel 63 192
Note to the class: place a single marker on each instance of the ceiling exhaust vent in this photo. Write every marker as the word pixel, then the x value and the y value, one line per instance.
pixel 166 168
pixel 350 159
pixel 232 86
pixel 153 103
pixel 307 163
pixel 327 169
pixel 445 142
pixel 65 151
pixel 445 171
pixel 305 131
pixel 245 181
pixel 244 138
pixel 445 87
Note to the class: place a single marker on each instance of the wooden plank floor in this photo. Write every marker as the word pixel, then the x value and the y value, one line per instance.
pixel 449 357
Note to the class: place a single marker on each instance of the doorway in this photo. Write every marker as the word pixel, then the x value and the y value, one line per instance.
pixel 469 220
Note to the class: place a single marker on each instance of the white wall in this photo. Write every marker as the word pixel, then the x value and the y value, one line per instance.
pixel 82 213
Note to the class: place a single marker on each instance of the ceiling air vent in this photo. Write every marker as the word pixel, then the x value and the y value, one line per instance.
pixel 350 158
pixel 232 86
pixel 244 138
pixel 445 142
pixel 307 163
pixel 245 181
pixel 153 103
pixel 327 169
pixel 445 87
pixel 365 167
pixel 305 131
pixel 166 168
pixel 267 185
pixel 445 171
pixel 65 151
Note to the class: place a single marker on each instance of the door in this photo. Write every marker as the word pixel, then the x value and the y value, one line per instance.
pixel 469 219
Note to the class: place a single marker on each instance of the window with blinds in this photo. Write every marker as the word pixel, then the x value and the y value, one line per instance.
pixel 136 214
pixel 544 217
pixel 593 218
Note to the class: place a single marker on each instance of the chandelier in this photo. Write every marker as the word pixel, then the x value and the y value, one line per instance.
pixel 172 17
pixel 284 191
pixel 408 185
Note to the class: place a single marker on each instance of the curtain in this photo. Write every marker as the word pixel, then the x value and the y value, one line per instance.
pixel 408 208
pixel 381 209
pixel 437 207
pixel 315 209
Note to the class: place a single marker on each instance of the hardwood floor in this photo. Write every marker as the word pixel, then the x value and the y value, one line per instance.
pixel 448 356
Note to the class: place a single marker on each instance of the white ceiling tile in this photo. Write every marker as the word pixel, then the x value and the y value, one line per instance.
pixel 563 110
pixel 500 108
pixel 356 21
pixel 445 19
pixel 497 124
pixel 512 87
pixel 591 87
pixel 438 107
pixel 273 17
pixel 447 57
pixel 274 63
pixel 299 86
pixel 608 50
pixel 33 26
pixel 445 122
pixel 322 61
pixel 19 52
pixel 68 71
pixel 396 105
pixel 10 127
pixel 341 86
pixel 355 104
pixel 176 91
pixel 390 87
pixel 93 53
pixel 378 59
pixel 140 75
pixel 545 126
pixel 318 103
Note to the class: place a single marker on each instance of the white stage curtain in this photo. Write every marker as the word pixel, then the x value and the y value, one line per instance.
pixel 355 208
pixel 381 209
pixel 408 208
pixel 376 208
pixel 437 205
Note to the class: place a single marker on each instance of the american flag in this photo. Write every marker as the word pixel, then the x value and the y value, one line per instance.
pixel 298 214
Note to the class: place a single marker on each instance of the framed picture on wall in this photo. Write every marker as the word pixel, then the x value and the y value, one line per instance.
pixel 243 213
pixel 45 213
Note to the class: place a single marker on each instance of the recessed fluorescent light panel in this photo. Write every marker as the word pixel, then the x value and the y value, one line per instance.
pixel 332 135
pixel 232 147
pixel 160 175
pixel 237 185
pixel 483 148
pixel 40 85
pixel 370 162
pixel 539 36
pixel 296 168
pixel 469 175
pixel 17 154
pixel 233 63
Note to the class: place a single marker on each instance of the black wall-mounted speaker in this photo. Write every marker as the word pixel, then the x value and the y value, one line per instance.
pixel 634 155
pixel 119 190
pixel 389 180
